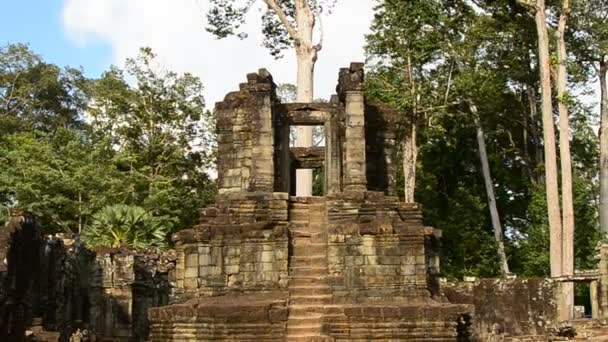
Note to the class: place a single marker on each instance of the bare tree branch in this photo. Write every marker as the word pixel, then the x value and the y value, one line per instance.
pixel 319 45
pixel 284 20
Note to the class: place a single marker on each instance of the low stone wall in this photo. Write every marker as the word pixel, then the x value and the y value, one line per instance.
pixel 511 307
pixel 260 317
pixel 56 285
pixel 391 322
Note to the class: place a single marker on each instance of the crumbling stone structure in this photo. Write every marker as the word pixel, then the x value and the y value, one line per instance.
pixel 52 288
pixel 354 264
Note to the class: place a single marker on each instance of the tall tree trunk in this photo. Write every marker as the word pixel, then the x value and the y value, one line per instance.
pixel 487 177
pixel 533 124
pixel 566 163
pixel 604 147
pixel 410 156
pixel 306 55
pixel 304 136
pixel 553 209
pixel 410 145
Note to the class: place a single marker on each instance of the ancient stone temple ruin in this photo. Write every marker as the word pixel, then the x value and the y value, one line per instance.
pixel 353 264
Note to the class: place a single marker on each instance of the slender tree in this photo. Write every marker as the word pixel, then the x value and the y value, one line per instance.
pixel 403 46
pixel 589 45
pixel 285 24
pixel 561 86
pixel 544 66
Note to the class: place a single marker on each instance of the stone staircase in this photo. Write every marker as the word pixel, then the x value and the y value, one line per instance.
pixel 309 293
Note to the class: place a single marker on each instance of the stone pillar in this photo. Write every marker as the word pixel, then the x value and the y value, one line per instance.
pixel 603 282
pixel 333 157
pixel 281 155
pixel 246 137
pixel 593 288
pixel 355 176
pixel 262 149
pixel 352 93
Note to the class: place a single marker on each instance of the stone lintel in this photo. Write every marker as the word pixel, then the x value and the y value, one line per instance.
pixel 307 157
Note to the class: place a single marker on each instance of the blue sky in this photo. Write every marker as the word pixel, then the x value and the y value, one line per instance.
pixel 96 33
pixel 39 23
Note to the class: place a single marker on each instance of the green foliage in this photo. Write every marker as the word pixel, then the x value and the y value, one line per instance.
pixel 126 226
pixel 61 178
pixel 146 145
pixel 164 137
pixel 37 95
pixel 225 18
pixel 534 247
pixel 427 57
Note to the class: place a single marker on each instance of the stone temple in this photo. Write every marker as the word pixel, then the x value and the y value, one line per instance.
pixel 262 264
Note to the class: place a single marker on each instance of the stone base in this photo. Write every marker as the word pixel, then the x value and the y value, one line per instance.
pixel 248 318
pixel 261 317
pixel 440 322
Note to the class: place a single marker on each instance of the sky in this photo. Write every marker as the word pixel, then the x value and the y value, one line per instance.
pixel 94 34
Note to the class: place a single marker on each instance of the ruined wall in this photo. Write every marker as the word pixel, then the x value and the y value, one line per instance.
pixel 246 138
pixel 240 244
pixel 512 307
pixel 377 249
pixel 53 286
pixel 381 149
pixel 19 272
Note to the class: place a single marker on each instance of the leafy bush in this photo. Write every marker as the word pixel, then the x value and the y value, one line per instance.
pixel 126 226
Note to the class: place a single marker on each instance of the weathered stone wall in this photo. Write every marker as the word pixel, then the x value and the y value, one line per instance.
pixel 21 250
pixel 240 244
pixel 122 287
pixel 244 318
pixel 377 249
pixel 511 307
pixel 390 322
pixel 380 138
pixel 246 138
pixel 52 287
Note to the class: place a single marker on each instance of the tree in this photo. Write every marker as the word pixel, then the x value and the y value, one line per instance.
pixel 162 134
pixel 38 95
pixel 553 206
pixel 565 159
pixel 589 43
pixel 402 47
pixel 126 226
pixel 285 24
pixel 444 41
pixel 61 178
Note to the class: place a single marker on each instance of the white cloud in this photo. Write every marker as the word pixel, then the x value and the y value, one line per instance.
pixel 174 29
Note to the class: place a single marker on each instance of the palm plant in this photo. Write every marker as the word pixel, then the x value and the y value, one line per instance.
pixel 126 226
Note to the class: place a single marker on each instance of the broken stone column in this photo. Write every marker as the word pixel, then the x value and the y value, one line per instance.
pixel 246 136
pixel 351 93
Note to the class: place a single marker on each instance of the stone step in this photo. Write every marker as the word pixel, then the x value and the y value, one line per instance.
pixel 305 262
pixel 296 258
pixel 314 329
pixel 327 310
pixel 306 234
pixel 311 299
pixel 309 249
pixel 309 290
pixel 300 280
pixel 308 338
pixel 297 321
pixel 308 271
